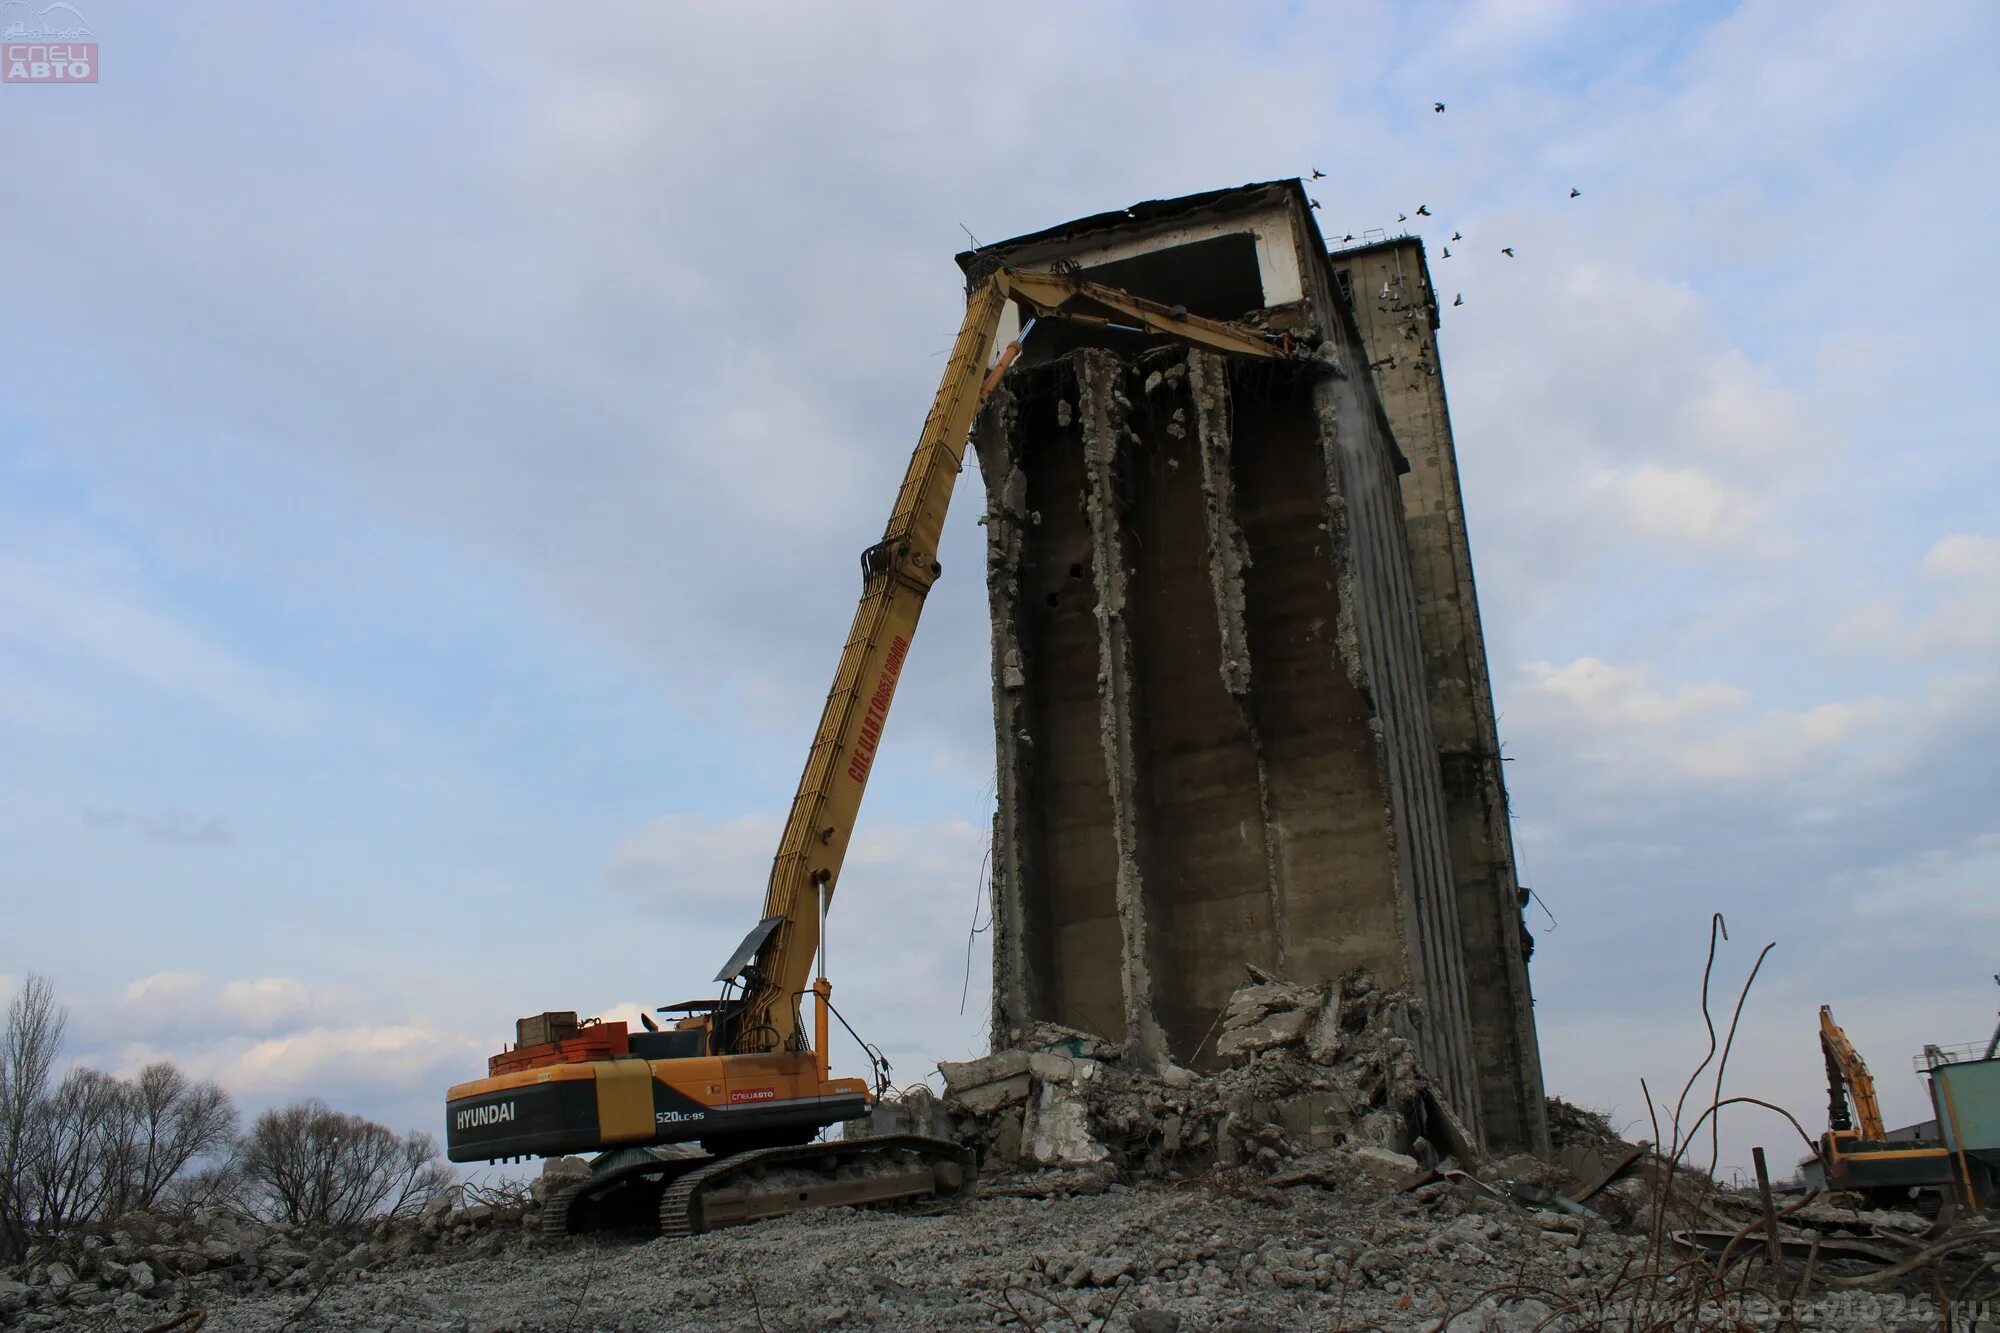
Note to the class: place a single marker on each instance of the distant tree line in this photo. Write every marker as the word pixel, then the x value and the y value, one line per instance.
pixel 87 1147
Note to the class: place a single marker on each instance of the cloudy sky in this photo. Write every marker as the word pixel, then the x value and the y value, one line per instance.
pixel 435 443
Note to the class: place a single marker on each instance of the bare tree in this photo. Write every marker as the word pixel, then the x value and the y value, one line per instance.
pixel 33 1039
pixel 92 1146
pixel 309 1165
pixel 177 1122
pixel 218 1183
pixel 419 1175
pixel 87 1151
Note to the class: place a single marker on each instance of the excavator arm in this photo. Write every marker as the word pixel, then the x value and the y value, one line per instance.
pixel 1847 1077
pixel 897 573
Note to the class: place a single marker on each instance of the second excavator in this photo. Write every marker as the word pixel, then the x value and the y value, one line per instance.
pixel 1856 1154
pixel 711 1120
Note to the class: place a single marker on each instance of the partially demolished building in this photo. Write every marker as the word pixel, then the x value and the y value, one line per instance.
pixel 1387 286
pixel 1240 698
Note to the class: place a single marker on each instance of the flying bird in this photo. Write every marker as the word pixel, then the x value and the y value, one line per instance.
pixel 1456 237
pixel 1402 217
pixel 1317 173
pixel 1345 239
pixel 1437 106
pixel 1459 299
pixel 1574 192
pixel 1447 252
pixel 1423 210
pixel 1507 250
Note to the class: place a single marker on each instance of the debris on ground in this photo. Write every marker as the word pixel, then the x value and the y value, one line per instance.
pixel 143 1269
pixel 1312 1179
pixel 1304 1070
pixel 1193 1256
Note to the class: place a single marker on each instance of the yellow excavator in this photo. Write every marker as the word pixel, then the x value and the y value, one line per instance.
pixel 738 1074
pixel 1856 1153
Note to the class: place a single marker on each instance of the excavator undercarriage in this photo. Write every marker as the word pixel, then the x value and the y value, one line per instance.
pixel 681 1192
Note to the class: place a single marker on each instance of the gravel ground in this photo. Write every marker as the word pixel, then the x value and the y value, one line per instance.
pixel 1153 1258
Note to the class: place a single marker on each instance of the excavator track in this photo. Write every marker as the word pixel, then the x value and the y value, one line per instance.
pixel 685 1196
pixel 624 1199
pixel 771 1182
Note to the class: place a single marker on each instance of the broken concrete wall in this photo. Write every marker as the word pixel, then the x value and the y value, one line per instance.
pixel 1389 289
pixel 1301 1069
pixel 1210 706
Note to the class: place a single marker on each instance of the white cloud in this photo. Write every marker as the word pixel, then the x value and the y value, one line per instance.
pixel 1965 557
pixel 624 1011
pixel 1777 744
pixel 1682 504
pixel 166 988
pixel 1604 412
pixel 411 1055
pixel 688 861
pixel 1968 614
pixel 1954 610
pixel 189 1006
pixel 1596 693
pixel 1620 723
pixel 1739 412
pixel 1941 889
pixel 268 1002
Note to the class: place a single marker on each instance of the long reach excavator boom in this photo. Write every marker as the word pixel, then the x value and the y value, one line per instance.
pixel 897 573
pixel 1847 1077
pixel 738 1074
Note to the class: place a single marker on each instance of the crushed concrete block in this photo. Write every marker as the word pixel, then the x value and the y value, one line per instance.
pixel 960 1075
pixel 1382 1128
pixel 1050 1067
pixel 1583 1164
pixel 990 1097
pixel 1446 1128
pixel 1314 1119
pixel 1057 1132
pixel 1280 1029
pixel 1325 1040
pixel 1070 1041
pixel 1007 1136
pixel 1252 1002
pixel 1379 1164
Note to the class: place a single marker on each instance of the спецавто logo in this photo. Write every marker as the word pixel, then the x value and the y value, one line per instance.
pixel 45 44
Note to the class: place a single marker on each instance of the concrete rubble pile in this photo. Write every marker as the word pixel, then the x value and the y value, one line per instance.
pixel 148 1267
pixel 1308 1073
